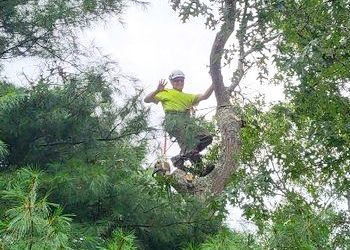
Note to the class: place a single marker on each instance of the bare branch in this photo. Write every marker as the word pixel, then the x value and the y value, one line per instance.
pixel 30 39
pixel 239 72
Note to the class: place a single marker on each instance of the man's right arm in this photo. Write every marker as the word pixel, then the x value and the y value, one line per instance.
pixel 151 96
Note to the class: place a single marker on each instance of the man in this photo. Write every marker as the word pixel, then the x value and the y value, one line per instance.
pixel 178 122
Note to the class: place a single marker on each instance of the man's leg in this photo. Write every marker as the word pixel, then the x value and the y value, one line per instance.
pixel 175 124
pixel 202 139
pixel 192 139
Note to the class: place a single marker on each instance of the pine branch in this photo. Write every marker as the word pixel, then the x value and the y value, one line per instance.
pixel 165 225
pixel 85 141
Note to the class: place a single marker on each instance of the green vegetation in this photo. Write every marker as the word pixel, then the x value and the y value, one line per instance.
pixel 73 144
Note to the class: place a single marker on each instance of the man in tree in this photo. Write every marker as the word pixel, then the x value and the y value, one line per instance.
pixel 178 123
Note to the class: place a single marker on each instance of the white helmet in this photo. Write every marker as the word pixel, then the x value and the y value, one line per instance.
pixel 175 74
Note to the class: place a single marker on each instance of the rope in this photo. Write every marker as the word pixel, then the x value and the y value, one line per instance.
pixel 164 146
pixel 172 143
pixel 164 151
pixel 212 107
pixel 221 106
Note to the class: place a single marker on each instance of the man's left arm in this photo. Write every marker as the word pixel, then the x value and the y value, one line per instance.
pixel 206 94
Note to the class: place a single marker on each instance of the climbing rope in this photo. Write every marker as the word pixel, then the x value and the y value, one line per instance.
pixel 161 165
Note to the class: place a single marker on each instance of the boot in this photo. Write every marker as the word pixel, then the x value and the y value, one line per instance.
pixel 204 141
pixel 206 170
pixel 200 169
pixel 178 162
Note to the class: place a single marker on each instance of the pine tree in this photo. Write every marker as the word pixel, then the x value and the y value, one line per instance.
pixel 74 144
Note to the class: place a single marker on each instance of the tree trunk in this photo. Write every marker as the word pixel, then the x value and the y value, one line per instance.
pixel 229 127
pixel 228 123
pixel 227 119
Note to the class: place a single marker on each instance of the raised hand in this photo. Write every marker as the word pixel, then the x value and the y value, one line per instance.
pixel 161 85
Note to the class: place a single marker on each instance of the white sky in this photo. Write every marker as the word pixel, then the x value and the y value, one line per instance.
pixel 152 43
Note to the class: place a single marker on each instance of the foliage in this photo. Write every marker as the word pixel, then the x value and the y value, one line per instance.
pixel 284 161
pixel 301 228
pixel 90 151
pixel 122 241
pixel 29 221
pixel 53 123
pixel 315 39
pixel 296 153
pixel 294 157
pixel 85 131
pixel 3 150
pixel 48 28
pixel 227 240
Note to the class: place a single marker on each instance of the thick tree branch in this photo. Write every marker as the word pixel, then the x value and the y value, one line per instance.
pixel 218 49
pixel 227 116
pixel 227 120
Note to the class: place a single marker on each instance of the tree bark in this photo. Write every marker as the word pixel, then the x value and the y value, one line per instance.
pixel 228 124
pixel 227 119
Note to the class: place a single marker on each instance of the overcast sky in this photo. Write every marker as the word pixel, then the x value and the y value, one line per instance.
pixel 154 41
pixel 151 43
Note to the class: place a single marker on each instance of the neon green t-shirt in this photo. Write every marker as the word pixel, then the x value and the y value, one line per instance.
pixel 174 100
